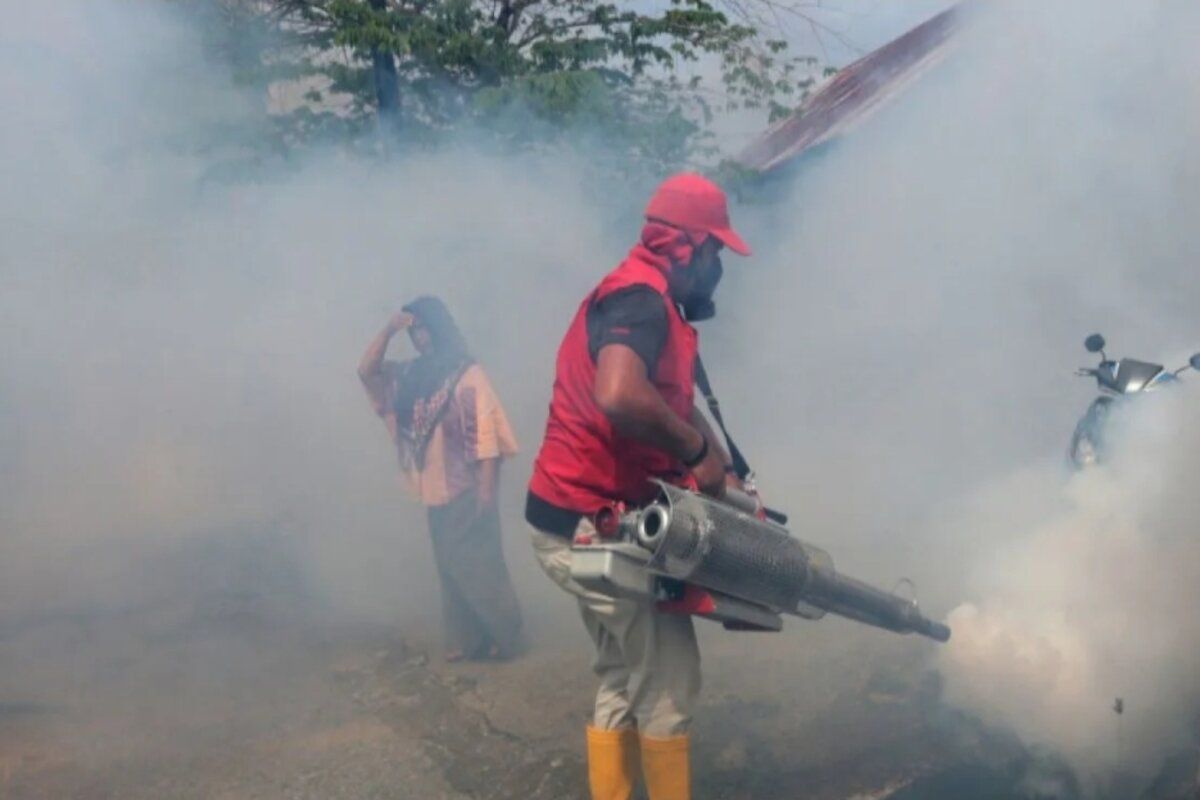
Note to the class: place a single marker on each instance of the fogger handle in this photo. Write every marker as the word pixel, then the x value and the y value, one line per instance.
pixel 750 504
pixel 778 517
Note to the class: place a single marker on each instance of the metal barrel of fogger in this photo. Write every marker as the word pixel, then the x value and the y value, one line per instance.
pixel 723 548
pixel 852 598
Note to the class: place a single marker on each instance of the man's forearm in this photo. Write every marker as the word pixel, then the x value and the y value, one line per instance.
pixel 635 407
pixel 645 416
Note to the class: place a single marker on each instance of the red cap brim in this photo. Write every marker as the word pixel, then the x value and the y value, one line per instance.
pixel 730 239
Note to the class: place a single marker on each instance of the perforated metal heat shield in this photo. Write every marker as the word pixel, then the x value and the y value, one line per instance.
pixel 718 547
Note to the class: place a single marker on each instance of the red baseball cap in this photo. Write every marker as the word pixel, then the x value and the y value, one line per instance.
pixel 694 203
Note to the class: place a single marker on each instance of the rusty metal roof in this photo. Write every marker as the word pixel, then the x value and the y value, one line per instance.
pixel 856 92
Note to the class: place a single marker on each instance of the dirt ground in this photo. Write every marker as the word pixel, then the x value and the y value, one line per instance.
pixel 209 693
pixel 260 713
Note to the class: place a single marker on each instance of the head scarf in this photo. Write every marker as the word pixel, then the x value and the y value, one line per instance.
pixel 669 245
pixel 427 382
pixel 671 248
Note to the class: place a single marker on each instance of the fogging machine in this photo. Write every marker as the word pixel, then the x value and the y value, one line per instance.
pixel 728 561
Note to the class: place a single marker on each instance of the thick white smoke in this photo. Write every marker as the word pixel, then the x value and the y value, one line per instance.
pixel 1088 596
pixel 935 277
pixel 180 351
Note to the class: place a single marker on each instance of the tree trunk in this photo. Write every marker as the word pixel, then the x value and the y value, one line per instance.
pixel 386 77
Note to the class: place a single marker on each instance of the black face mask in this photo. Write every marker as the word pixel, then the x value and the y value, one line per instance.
pixel 699 305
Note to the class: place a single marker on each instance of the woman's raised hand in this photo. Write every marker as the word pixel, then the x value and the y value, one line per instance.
pixel 400 321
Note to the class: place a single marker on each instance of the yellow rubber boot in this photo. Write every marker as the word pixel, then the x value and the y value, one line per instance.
pixel 667 768
pixel 612 763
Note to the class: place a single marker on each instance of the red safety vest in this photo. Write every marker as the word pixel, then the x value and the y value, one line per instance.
pixel 584 464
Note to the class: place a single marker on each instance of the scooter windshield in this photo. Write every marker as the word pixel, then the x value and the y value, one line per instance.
pixel 1129 375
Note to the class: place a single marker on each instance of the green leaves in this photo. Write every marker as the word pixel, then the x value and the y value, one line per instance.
pixel 554 68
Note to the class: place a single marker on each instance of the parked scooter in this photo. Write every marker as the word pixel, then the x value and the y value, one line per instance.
pixel 1119 381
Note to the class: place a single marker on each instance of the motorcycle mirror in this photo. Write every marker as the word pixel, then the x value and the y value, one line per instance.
pixel 1194 361
pixel 1095 343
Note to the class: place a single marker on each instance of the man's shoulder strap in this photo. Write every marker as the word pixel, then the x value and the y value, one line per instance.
pixel 740 467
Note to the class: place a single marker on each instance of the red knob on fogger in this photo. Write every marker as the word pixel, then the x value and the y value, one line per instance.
pixel 608 520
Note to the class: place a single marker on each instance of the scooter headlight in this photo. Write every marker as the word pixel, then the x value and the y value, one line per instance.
pixel 1084 454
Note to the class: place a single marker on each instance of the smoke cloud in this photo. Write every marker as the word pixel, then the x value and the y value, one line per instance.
pixel 180 351
pixel 935 276
pixel 1090 600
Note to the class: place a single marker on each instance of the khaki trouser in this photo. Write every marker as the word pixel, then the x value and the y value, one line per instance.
pixel 648 663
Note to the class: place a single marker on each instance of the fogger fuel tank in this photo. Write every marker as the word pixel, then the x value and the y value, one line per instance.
pixel 694 554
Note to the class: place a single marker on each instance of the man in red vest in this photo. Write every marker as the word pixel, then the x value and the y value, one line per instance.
pixel 622 413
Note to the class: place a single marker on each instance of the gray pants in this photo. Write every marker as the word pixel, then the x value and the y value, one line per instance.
pixel 648 662
pixel 479 606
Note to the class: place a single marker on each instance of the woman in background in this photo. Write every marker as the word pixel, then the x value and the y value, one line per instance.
pixel 451 433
